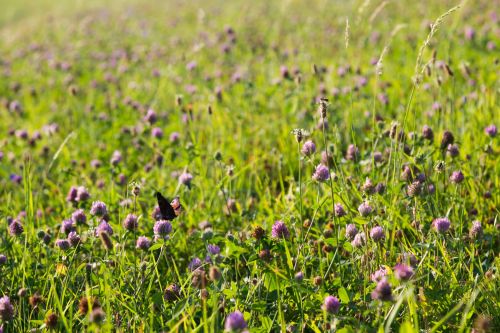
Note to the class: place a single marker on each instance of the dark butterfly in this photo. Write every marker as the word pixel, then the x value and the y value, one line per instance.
pixel 169 211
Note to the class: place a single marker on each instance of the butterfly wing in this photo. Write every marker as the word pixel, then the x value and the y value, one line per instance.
pixel 176 205
pixel 167 211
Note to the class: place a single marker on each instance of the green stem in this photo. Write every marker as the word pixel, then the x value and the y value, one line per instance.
pixel 300 182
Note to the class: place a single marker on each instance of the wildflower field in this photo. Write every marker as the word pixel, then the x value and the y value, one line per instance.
pixel 249 166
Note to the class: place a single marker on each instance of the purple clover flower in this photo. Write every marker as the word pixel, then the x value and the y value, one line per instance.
pixel 280 230
pixel 72 193
pixel 469 33
pixel 95 164
pixel 162 228
pixel 16 228
pixel 104 227
pixel 383 291
pixel 308 148
pixel 457 177
pixel 321 173
pixel 156 214
pixel 67 226
pixel 116 158
pixel 378 275
pixel 150 116
pixel 15 106
pixel 6 309
pixel 377 233
pixel 403 272
pixel 73 238
pixel 365 209
pixel 235 321
pixel 378 157
pixel 213 249
pixel 185 178
pixel 331 304
pixel 63 244
pixel 130 222
pixel 175 137
pixel 427 133
pixel 491 131
pixel 98 208
pixel 453 150
pixel 441 224
pixel 22 134
pixel 284 72
pixel 191 65
pixel 351 231
pixel 143 243
pixel 195 264
pixel 352 153
pixel 79 217
pixel 339 210
pixel 476 230
pixel 16 179
pixel 82 194
pixel 157 133
pixel 359 240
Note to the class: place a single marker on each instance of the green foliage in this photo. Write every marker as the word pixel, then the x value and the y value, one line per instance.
pixel 77 83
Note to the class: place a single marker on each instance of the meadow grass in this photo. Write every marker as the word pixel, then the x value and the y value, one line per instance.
pixel 391 208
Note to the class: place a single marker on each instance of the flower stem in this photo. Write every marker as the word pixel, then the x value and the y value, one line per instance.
pixel 300 182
